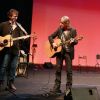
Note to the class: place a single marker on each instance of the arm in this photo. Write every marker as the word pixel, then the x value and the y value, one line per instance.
pixel 52 36
pixel 73 41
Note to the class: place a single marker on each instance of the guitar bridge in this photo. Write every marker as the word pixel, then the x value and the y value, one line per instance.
pixel 5 42
pixel 55 48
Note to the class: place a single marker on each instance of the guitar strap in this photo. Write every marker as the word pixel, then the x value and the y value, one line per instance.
pixel 20 26
pixel 11 29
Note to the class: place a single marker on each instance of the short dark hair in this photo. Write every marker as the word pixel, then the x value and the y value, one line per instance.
pixel 11 11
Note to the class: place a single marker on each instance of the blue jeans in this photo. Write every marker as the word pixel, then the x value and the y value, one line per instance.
pixel 9 64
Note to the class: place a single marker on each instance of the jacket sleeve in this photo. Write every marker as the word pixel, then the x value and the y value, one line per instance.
pixel 52 36
pixel 74 34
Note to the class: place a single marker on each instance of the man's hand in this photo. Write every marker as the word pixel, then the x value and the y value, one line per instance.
pixel 1 44
pixel 72 40
pixel 54 45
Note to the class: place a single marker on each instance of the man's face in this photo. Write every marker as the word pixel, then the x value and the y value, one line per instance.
pixel 13 17
pixel 65 24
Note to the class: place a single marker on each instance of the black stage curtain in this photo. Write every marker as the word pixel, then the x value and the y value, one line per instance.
pixel 25 15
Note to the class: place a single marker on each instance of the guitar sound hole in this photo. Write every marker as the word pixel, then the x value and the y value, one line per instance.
pixel 5 42
pixel 55 49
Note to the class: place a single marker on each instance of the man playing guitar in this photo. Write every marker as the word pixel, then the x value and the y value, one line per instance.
pixel 9 55
pixel 65 33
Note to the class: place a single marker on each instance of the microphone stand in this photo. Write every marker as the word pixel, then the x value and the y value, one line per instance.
pixel 34 47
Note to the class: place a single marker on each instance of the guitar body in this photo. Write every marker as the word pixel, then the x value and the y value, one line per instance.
pixel 51 52
pixel 7 41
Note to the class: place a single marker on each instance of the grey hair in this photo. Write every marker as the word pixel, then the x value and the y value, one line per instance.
pixel 64 19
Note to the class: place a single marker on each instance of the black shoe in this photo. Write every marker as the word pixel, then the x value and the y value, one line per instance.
pixel 11 88
pixel 1 86
pixel 67 91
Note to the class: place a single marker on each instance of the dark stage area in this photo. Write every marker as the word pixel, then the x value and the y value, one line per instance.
pixel 39 80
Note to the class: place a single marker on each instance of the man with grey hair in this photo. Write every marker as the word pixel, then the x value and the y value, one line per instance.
pixel 65 33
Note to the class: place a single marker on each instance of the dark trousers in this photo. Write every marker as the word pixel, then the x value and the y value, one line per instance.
pixel 68 64
pixel 8 65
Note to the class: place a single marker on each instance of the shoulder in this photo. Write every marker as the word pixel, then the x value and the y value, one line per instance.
pixel 57 31
pixel 72 28
pixel 4 23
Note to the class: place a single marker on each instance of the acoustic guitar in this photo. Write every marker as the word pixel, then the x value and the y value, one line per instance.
pixel 7 41
pixel 51 52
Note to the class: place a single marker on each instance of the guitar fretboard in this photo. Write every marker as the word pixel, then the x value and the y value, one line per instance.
pixel 22 37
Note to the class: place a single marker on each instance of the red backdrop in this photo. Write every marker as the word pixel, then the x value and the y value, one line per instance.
pixel 85 17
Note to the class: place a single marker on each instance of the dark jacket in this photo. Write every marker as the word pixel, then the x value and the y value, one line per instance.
pixel 58 34
pixel 5 29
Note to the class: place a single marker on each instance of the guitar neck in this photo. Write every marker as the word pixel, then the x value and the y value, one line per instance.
pixel 68 41
pixel 22 37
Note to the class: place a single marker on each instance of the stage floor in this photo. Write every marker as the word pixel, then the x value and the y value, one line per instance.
pixel 40 81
